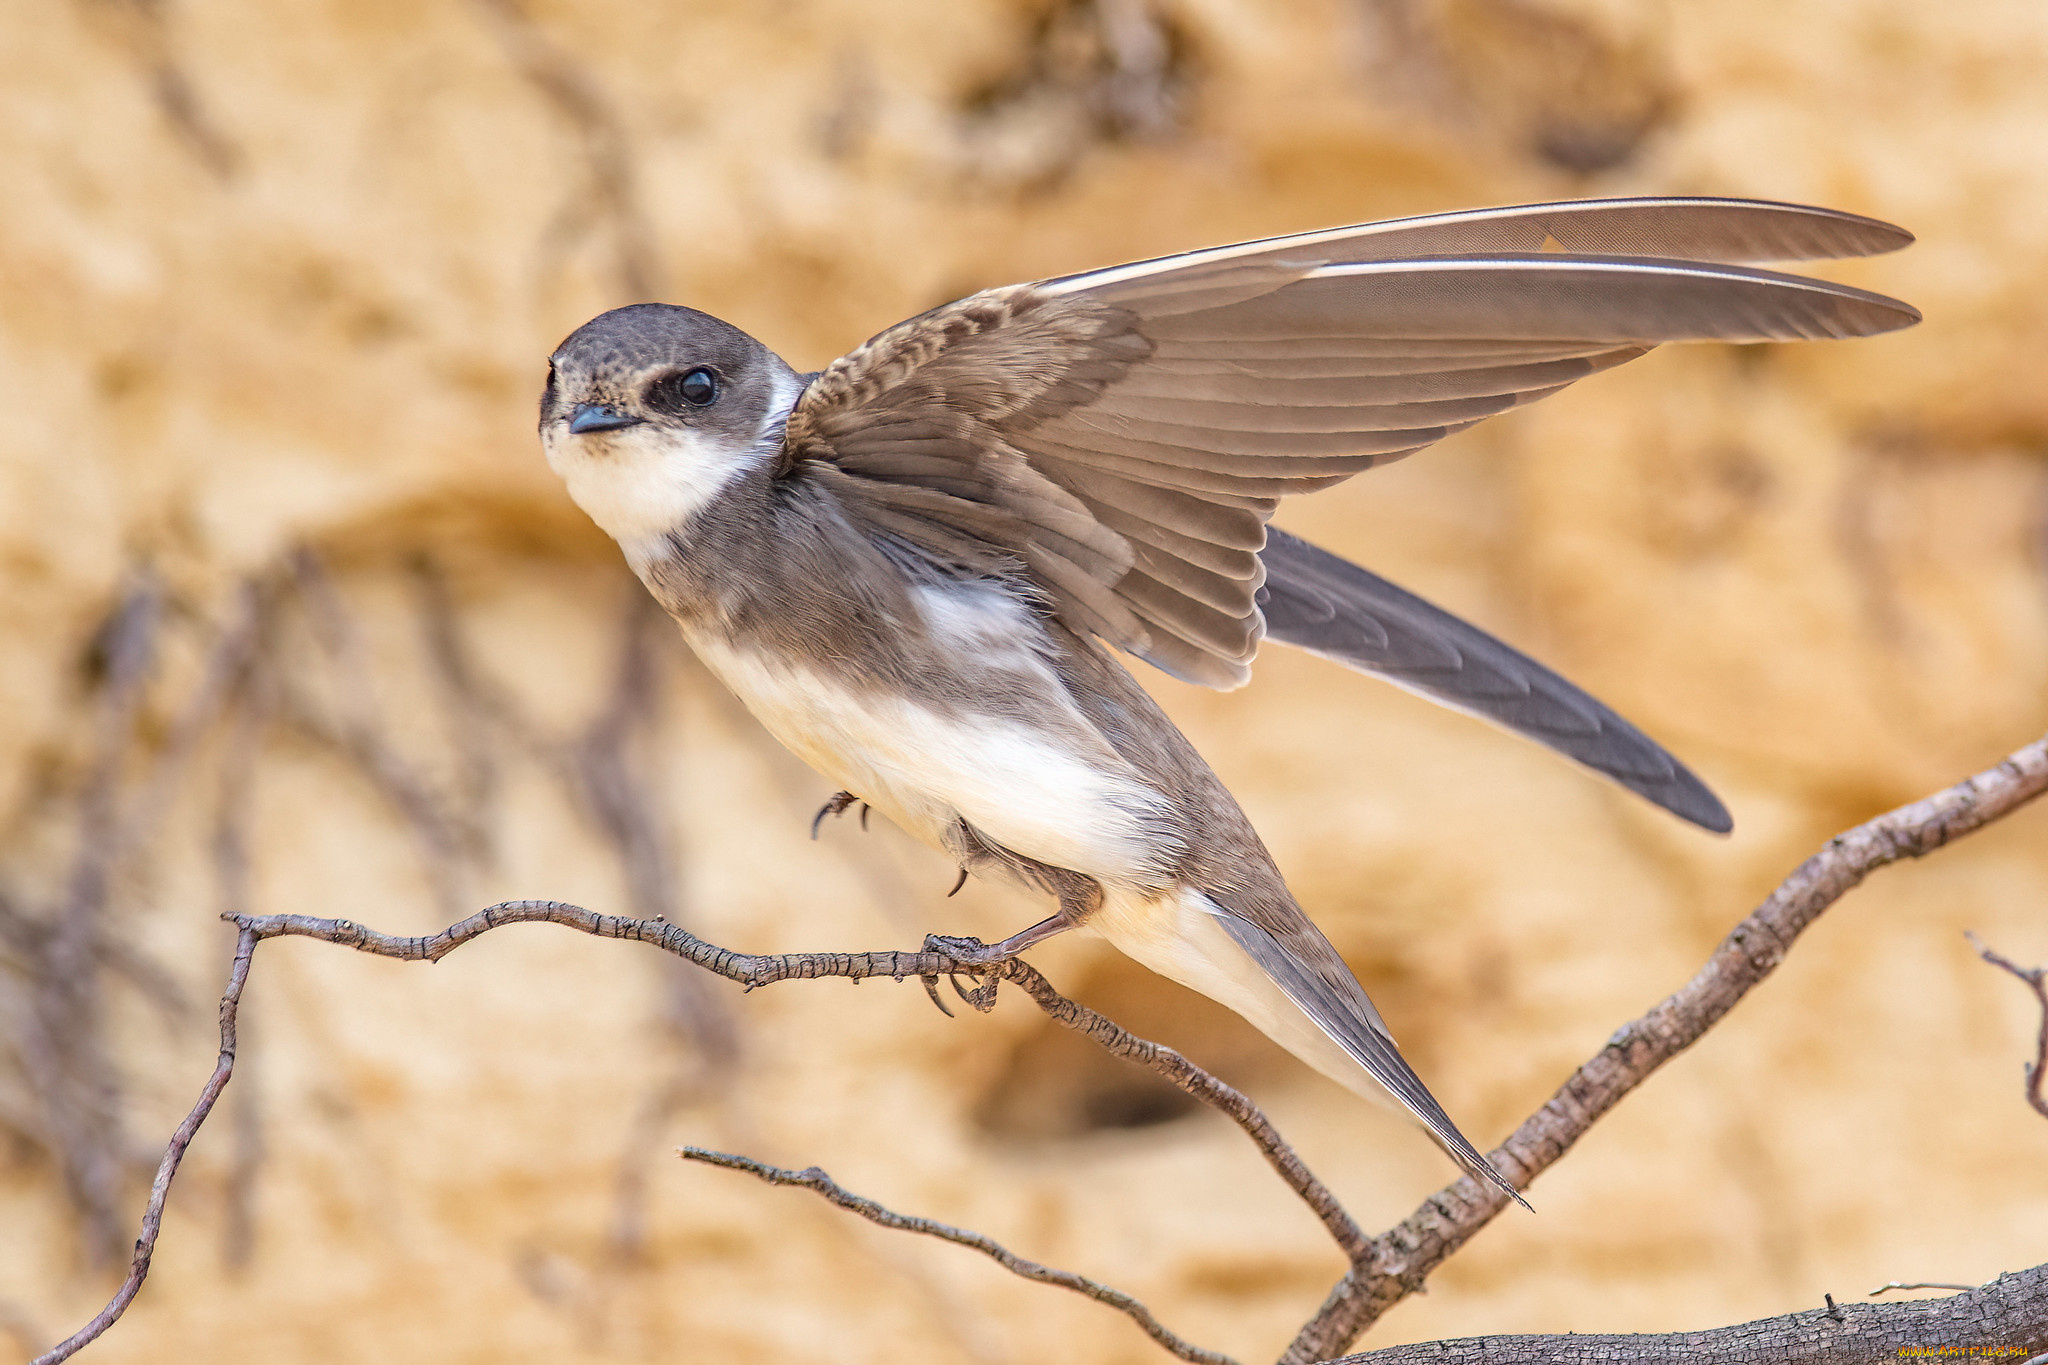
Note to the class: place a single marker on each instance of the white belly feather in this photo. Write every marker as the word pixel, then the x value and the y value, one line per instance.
pixel 1060 796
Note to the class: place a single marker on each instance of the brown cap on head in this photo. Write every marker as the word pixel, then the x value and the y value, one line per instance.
pixel 666 365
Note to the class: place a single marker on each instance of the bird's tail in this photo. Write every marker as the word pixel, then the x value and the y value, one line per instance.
pixel 1295 989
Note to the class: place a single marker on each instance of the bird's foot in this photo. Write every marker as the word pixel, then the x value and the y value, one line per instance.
pixel 967 951
pixel 837 806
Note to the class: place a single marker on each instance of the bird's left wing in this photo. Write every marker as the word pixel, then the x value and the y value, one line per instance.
pixel 1124 435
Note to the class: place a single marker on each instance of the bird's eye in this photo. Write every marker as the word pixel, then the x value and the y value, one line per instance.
pixel 680 390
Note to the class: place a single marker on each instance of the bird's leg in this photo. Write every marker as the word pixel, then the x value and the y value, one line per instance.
pixel 988 954
pixel 1079 896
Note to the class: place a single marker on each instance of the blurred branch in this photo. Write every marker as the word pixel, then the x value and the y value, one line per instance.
pixel 2037 979
pixel 815 1179
pixel 359 730
pixel 2005 1318
pixel 63 1043
pixel 578 99
pixel 234 807
pixel 143 27
pixel 596 768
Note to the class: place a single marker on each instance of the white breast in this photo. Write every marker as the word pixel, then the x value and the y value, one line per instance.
pixel 1055 793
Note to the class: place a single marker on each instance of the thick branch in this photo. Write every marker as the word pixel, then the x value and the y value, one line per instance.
pixel 1406 1254
pixel 153 1216
pixel 815 1179
pixel 2006 1318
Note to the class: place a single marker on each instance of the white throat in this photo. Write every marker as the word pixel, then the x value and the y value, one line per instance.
pixel 640 483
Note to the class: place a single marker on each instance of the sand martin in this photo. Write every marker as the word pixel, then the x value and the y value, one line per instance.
pixel 917 566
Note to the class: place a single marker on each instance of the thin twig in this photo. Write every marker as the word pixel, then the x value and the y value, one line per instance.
pixel 751 971
pixel 815 1179
pixel 2037 979
pixel 754 971
pixel 153 1216
pixel 121 804
pixel 1890 1285
pixel 1405 1255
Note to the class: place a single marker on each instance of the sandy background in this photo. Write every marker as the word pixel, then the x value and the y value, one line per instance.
pixel 275 287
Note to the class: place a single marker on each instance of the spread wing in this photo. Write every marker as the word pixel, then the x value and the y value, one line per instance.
pixel 1125 434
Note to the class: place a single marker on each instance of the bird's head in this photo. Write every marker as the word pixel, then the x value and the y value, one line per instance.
pixel 650 410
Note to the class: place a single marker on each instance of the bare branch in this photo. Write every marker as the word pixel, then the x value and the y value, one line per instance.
pixel 1406 1254
pixel 753 971
pixel 2005 1318
pixel 1890 1285
pixel 2037 978
pixel 749 970
pixel 68 953
pixel 153 1216
pixel 815 1179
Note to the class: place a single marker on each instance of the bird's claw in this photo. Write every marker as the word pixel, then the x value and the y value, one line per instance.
pixel 837 806
pixel 972 952
pixel 931 988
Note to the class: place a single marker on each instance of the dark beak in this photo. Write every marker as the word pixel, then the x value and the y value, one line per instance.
pixel 596 417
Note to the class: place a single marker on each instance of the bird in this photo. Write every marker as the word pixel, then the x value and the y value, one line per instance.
pixel 922 567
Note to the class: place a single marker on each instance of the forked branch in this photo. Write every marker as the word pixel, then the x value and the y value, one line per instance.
pixel 1406 1254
